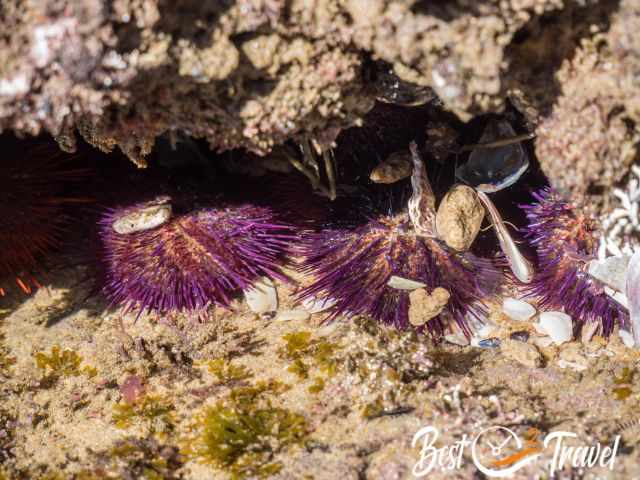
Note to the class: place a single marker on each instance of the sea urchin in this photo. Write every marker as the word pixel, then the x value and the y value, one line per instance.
pixel 193 258
pixel 353 265
pixel 564 241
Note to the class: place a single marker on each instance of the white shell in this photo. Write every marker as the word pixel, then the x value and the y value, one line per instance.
pixel 611 271
pixel 288 315
pixel 317 305
pixel 627 338
pixel 633 295
pixel 457 339
pixel 518 309
pixel 557 325
pixel 142 219
pixel 542 342
pixel 262 297
pixel 400 283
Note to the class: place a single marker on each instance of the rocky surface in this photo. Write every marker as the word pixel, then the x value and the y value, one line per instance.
pixel 255 73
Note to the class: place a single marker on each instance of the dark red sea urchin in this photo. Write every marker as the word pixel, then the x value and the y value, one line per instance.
pixel 199 256
pixel 34 181
pixel 352 266
pixel 564 241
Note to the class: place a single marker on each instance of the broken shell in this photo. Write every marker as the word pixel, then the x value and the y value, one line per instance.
pixel 521 267
pixel 459 217
pixel 517 309
pixel 400 283
pixel 557 325
pixel 289 315
pixel 422 203
pixel 396 167
pixel 262 297
pixel 611 271
pixel 389 88
pixel 424 306
pixel 141 219
pixel 633 295
pixel 491 169
pixel 317 305
pixel 627 338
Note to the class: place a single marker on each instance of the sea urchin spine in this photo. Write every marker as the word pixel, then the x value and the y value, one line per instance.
pixel 197 257
pixel 564 241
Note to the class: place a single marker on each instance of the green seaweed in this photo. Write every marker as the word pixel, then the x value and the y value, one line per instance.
pixel 306 353
pixel 64 363
pixel 154 412
pixel 623 389
pixel 242 433
pixel 226 372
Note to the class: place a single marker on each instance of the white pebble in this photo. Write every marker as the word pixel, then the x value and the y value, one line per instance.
pixel 317 305
pixel 518 309
pixel 288 315
pixel 557 325
pixel 400 283
pixel 627 338
pixel 262 297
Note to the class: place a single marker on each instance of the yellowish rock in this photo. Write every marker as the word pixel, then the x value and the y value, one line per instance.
pixel 459 217
pixel 424 306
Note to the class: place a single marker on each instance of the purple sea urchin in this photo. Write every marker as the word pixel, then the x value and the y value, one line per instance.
pixel 354 265
pixel 196 257
pixel 564 241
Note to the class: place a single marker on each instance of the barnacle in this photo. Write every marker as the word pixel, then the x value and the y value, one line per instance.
pixel 565 242
pixel 197 257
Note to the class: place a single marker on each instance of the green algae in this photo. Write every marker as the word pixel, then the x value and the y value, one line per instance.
pixel 152 411
pixel 227 372
pixel 64 363
pixel 306 354
pixel 242 433
pixel 623 390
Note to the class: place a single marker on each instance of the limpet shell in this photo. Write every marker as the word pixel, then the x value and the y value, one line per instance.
pixel 141 219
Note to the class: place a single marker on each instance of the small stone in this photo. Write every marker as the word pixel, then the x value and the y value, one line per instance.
pixel 262 297
pixel 396 167
pixel 493 342
pixel 518 310
pixel 574 366
pixel 557 325
pixel 573 357
pixel 143 219
pixel 288 315
pixel 400 283
pixel 520 336
pixel 317 305
pixel 424 306
pixel 627 338
pixel 459 217
pixel 523 353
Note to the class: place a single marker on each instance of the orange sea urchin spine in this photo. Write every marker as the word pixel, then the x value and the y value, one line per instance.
pixel 32 208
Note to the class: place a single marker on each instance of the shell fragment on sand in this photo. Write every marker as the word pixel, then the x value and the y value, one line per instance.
pixel 557 325
pixel 400 283
pixel 262 297
pixel 518 309
pixel 317 305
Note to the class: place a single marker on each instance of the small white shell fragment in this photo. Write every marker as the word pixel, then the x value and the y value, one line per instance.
pixel 142 219
pixel 542 342
pixel 518 309
pixel 627 338
pixel 296 314
pixel 633 295
pixel 573 365
pixel 400 283
pixel 557 325
pixel 457 339
pixel 262 297
pixel 611 271
pixel 317 305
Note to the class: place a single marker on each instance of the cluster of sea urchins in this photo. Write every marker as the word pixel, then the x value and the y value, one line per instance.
pixel 564 242
pixel 167 255
pixel 33 209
